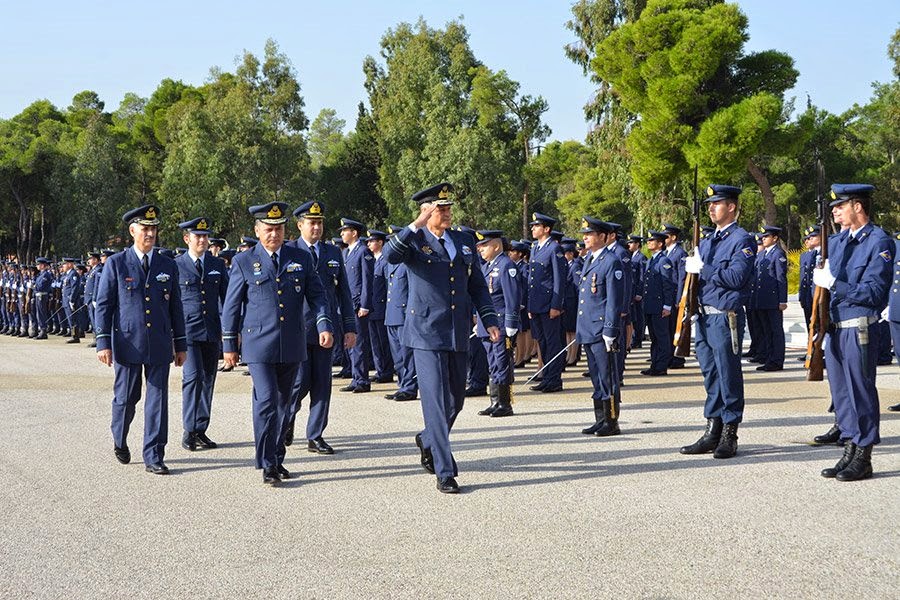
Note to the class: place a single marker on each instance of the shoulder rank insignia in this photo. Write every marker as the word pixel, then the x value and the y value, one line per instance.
pixel 748 252
pixel 369 257
pixel 886 256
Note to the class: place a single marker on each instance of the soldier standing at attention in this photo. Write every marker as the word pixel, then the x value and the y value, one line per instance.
pixel 600 297
pixel 267 287
pixel 502 280
pixel 139 323
pixel 314 375
pixel 638 266
pixel 858 274
pixel 546 297
pixel 360 265
pixel 724 262
pixel 444 285
pixel 43 287
pixel 378 336
pixel 395 317
pixel 812 239
pixel 893 309
pixel 658 300
pixel 203 280
pixel 770 295
pixel 676 256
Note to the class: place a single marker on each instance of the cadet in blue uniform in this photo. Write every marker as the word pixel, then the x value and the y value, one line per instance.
pixel 812 240
pixel 203 280
pixel 378 336
pixel 616 244
pixel 90 286
pixel 518 253
pixel 139 322
pixel 893 309
pixel 360 266
pixel 600 298
pixel 444 284
pixel 574 264
pixel 314 375
pixel 658 300
pixel 769 300
pixel 638 266
pixel 268 286
pixel 502 280
pixel 394 318
pixel 71 302
pixel 43 287
pixel 858 273
pixel 724 262
pixel 546 298
pixel 477 370
pixel 676 256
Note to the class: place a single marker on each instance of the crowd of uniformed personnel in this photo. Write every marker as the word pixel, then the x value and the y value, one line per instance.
pixel 449 312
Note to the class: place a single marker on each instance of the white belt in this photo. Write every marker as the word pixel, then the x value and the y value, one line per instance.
pixel 853 322
pixel 712 310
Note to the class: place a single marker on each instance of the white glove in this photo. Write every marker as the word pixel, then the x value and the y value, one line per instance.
pixel 609 341
pixel 510 332
pixel 823 277
pixel 693 263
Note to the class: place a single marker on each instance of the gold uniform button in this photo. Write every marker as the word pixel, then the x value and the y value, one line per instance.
pixel 277 280
pixel 281 318
pixel 204 312
pixel 451 279
pixel 203 291
pixel 148 324
pixel 280 305
pixel 279 292
pixel 453 292
pixel 452 307
pixel 147 298
pixel 451 265
pixel 147 311
pixel 203 302
pixel 580 312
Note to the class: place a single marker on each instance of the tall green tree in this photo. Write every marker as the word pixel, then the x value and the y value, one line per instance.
pixel 325 134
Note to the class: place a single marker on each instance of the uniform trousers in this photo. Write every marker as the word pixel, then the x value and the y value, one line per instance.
pixel 770 322
pixel 198 379
pixel 547 332
pixel 660 347
pixel 313 378
pixel 601 375
pixel 358 361
pixel 721 368
pixel 477 365
pixel 272 384
pixel 381 349
pixel 404 365
pixel 500 361
pixel 852 383
pixel 637 317
pixel 126 395
pixel 442 383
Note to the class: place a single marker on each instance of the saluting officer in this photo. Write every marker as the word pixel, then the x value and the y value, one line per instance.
pixel 600 297
pixel 658 300
pixel 264 304
pixel 724 262
pixel 769 300
pixel 502 280
pixel 444 284
pixel 394 318
pixel 858 273
pixel 360 265
pixel 314 375
pixel 546 298
pixel 203 280
pixel 140 321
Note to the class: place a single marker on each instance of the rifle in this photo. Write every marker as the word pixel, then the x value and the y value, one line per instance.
pixel 819 318
pixel 688 305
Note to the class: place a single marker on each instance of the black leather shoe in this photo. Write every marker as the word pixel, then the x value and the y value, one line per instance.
pixel 289 434
pixel 387 379
pixel 475 392
pixel 486 412
pixel 74 340
pixel 157 468
pixel 801 359
pixel 404 396
pixel 271 476
pixel 204 442
pixel 537 388
pixel 859 468
pixel 425 455
pixel 551 389
pixel 832 436
pixel 769 368
pixel 189 441
pixel 43 336
pixel 586 374
pixel 319 446
pixel 362 389
pixel 728 442
pixel 503 411
pixel 348 388
pixel 849 452
pixel 123 455
pixel 284 473
pixel 390 396
pixel 894 408
pixel 447 485
pixel 710 439
pixel 593 428
pixel 653 373
pixel 678 365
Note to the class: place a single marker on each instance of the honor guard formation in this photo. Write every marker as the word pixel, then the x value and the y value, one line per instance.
pixel 447 312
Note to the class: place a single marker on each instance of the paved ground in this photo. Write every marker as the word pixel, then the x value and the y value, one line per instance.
pixel 546 511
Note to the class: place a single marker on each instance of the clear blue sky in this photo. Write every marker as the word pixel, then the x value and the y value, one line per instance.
pixel 55 49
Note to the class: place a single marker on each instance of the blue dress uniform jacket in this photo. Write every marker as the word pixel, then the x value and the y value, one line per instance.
pixel 862 266
pixel 807 264
pixel 573 280
pixel 547 275
pixel 201 296
pixel 272 305
pixel 677 256
pixel 360 263
pixel 91 280
pixel 43 287
pixel 728 258
pixel 771 280
pixel 394 318
pixel 140 318
pixel 379 289
pixel 894 299
pixel 397 296
pixel 599 303
pixel 442 292
pixel 333 275
pixel 502 280
pixel 659 285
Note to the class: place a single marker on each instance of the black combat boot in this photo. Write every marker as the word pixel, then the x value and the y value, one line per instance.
pixel 728 442
pixel 598 419
pixel 495 401
pixel 849 451
pixel 610 425
pixel 709 440
pixel 832 436
pixel 76 336
pixel 504 401
pixel 859 468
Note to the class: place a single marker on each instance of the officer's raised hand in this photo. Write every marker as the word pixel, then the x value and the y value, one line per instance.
pixel 426 209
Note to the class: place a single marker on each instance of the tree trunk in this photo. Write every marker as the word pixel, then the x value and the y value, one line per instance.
pixel 21 230
pixel 759 176
pixel 43 233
